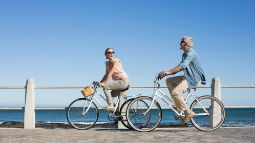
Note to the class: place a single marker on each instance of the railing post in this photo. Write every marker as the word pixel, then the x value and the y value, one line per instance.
pixel 29 114
pixel 215 92
pixel 121 101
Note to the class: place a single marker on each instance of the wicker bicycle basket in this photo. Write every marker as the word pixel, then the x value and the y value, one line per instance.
pixel 87 91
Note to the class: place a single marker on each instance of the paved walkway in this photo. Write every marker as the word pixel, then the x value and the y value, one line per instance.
pixel 160 135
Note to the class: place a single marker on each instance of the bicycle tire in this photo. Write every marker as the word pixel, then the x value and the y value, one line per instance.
pixel 78 118
pixel 123 113
pixel 140 121
pixel 215 117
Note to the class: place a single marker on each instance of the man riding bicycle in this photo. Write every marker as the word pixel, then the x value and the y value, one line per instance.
pixel 193 75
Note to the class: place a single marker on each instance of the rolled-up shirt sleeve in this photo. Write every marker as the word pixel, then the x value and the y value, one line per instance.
pixel 186 60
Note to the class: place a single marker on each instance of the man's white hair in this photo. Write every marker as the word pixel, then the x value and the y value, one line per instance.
pixel 188 40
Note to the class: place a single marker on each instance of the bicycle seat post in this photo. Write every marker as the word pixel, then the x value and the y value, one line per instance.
pixel 122 91
pixel 117 115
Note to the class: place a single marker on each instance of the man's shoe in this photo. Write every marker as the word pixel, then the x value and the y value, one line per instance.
pixel 188 117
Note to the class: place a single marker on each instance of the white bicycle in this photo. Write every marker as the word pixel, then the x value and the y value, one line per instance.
pixel 83 113
pixel 209 111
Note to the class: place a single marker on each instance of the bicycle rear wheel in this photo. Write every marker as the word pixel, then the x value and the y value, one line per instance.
pixel 209 113
pixel 143 114
pixel 82 114
pixel 123 113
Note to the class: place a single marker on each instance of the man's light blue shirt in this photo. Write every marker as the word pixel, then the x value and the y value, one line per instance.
pixel 191 68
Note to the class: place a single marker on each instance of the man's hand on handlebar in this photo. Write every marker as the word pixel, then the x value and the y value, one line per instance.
pixel 160 75
pixel 163 74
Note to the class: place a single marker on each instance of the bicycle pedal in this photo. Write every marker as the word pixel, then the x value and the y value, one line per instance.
pixel 118 117
pixel 117 113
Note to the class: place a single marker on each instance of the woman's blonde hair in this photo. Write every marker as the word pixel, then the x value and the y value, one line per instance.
pixel 188 40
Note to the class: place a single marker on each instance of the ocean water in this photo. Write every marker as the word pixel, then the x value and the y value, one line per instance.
pixel 234 116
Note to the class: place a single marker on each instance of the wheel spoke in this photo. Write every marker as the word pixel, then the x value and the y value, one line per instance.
pixel 82 114
pixel 209 113
pixel 143 115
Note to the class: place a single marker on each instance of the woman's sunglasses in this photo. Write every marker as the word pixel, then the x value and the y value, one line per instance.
pixel 110 52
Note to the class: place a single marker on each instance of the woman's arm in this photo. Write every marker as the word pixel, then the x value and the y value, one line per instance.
pixel 109 73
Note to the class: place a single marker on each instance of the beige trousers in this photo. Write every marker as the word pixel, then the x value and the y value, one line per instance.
pixel 177 86
pixel 112 89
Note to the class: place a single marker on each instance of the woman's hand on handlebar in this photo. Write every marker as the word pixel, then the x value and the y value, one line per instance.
pixel 96 84
pixel 101 84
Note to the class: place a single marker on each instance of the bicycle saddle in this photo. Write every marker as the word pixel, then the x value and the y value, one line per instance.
pixel 125 89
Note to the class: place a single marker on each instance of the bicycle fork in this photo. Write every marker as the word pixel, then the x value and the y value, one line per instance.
pixel 85 110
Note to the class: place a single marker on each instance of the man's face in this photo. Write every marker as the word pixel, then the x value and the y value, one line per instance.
pixel 183 45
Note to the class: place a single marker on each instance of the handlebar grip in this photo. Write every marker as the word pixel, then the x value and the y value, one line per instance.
pixel 95 83
pixel 158 77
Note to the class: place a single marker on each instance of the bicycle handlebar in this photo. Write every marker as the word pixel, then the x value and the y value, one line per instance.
pixel 95 84
pixel 157 77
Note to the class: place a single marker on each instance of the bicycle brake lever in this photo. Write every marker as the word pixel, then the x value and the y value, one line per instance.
pixel 95 83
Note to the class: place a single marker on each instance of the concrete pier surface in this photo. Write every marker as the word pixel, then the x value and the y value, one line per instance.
pixel 109 135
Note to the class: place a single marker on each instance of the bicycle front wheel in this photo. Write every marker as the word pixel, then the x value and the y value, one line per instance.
pixel 209 113
pixel 82 114
pixel 143 114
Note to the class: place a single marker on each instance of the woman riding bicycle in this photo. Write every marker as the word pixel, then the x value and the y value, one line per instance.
pixel 115 71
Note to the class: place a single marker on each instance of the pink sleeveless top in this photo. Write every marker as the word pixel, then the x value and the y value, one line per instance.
pixel 119 73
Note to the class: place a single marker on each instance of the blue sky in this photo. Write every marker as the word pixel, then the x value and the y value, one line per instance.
pixel 62 42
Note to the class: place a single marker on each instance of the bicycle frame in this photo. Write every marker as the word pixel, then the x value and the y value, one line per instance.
pixel 167 100
pixel 93 98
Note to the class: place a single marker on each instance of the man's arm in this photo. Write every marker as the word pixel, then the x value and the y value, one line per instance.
pixel 170 72
pixel 182 65
pixel 190 56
